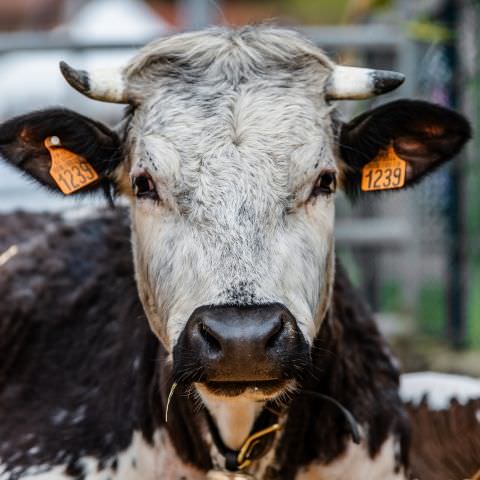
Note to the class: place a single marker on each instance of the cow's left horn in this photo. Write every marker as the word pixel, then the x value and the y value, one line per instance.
pixel 105 84
pixel 352 83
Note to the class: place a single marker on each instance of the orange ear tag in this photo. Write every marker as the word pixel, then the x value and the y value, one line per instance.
pixel 70 171
pixel 385 172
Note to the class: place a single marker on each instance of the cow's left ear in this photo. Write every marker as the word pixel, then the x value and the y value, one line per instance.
pixel 395 145
pixel 61 149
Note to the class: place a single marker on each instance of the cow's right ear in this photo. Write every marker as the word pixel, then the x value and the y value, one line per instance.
pixel 61 149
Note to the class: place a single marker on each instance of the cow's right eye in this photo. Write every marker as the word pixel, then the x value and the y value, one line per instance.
pixel 143 187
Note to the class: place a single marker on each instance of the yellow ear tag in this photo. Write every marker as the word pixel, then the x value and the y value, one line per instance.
pixel 385 172
pixel 70 171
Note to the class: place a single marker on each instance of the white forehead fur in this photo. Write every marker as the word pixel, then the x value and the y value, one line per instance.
pixel 234 129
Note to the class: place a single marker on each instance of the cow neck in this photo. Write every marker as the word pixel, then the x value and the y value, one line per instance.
pixel 262 436
pixel 233 417
pixel 256 445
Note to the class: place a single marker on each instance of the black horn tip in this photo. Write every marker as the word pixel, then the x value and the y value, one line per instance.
pixel 78 79
pixel 386 81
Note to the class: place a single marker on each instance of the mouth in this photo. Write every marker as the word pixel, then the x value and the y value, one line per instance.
pixel 264 388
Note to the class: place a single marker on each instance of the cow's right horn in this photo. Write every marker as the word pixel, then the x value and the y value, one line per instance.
pixel 105 84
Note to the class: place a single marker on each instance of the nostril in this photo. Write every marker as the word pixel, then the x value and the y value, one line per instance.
pixel 275 334
pixel 210 339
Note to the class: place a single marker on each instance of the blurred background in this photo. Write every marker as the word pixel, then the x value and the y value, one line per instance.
pixel 415 255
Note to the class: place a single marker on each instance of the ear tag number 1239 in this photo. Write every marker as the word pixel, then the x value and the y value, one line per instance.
pixel 385 172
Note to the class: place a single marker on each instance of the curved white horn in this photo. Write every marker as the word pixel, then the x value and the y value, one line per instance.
pixel 352 83
pixel 105 84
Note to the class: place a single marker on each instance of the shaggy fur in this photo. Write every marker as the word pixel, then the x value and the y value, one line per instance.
pixel 86 372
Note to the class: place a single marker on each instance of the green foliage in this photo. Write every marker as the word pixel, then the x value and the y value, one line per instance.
pixel 473 205
pixel 315 11
pixel 429 31
pixel 391 298
pixel 473 311
pixel 382 4
pixel 431 309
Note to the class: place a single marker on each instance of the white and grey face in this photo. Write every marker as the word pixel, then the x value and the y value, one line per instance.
pixel 240 151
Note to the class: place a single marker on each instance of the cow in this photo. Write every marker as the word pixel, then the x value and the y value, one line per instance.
pixel 208 332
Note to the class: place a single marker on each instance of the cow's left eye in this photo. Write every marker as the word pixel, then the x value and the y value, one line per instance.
pixel 143 187
pixel 325 185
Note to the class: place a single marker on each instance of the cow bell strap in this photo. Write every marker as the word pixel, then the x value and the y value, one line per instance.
pixel 260 441
pixel 256 446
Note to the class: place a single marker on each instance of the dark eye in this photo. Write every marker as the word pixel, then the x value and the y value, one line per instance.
pixel 143 187
pixel 326 184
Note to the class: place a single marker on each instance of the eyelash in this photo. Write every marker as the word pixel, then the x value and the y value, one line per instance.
pixel 326 184
pixel 144 187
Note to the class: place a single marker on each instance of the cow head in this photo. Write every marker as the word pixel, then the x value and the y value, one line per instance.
pixel 230 154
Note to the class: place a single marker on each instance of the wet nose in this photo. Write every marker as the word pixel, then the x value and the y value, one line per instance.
pixel 241 343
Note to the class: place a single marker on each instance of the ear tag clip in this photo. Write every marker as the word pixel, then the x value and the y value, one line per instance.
pixel 385 172
pixel 71 172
